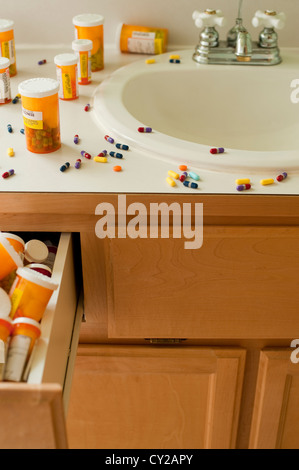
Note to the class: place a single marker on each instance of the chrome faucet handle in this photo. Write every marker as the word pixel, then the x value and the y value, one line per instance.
pixel 209 18
pixel 269 19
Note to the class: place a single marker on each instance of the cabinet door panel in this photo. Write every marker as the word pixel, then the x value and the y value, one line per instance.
pixel 155 397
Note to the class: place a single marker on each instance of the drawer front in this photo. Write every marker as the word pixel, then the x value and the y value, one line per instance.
pixel 242 283
pixel 40 403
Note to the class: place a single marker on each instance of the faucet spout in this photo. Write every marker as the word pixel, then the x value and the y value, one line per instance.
pixel 243 44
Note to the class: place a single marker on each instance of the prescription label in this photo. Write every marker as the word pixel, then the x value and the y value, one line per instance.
pixel 142 42
pixel 16 358
pixel 15 301
pixel 7 49
pixel 4 87
pixel 32 119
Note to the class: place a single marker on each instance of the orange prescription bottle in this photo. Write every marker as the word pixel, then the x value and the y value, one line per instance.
pixel 9 259
pixel 30 294
pixel 142 39
pixel 5 93
pixel 82 48
pixel 40 108
pixel 91 26
pixel 7 44
pixel 67 76
pixel 25 332
pixel 15 241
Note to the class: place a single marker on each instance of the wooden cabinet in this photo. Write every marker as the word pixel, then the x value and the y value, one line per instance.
pixel 33 413
pixel 153 397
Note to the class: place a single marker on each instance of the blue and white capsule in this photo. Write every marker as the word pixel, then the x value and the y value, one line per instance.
pixel 9 128
pixel 65 166
pixel 122 146
pixel 190 184
pixel 116 155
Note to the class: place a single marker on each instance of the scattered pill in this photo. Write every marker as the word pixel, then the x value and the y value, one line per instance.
pixel 78 164
pixel 41 62
pixel 173 174
pixel 9 128
pixel 109 139
pixel 85 154
pixel 76 139
pixel 116 155
pixel 100 159
pixel 8 173
pixel 217 150
pixel 242 181
pixel 10 152
pixel 102 153
pixel 282 176
pixel 267 181
pixel 194 176
pixel 65 166
pixel 183 167
pixel 182 178
pixel 190 184
pixel 174 56
pixel 174 61
pixel 22 131
pixel 145 129
pixel 117 168
pixel 170 181
pixel 122 146
pixel 16 98
pixel 87 107
pixel 150 61
pixel 242 187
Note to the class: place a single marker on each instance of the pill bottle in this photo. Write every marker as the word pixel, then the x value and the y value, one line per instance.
pixel 91 26
pixel 5 91
pixel 25 332
pixel 5 332
pixel 5 305
pixel 36 251
pixel 40 268
pixel 15 241
pixel 141 39
pixel 30 294
pixel 40 108
pixel 82 48
pixel 7 44
pixel 9 259
pixel 67 76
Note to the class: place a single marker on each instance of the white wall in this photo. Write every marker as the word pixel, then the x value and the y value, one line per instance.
pixel 50 22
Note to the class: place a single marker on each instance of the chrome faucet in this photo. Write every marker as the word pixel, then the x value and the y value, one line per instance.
pixel 239 47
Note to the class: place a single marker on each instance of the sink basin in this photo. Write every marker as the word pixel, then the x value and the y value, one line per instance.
pixel 192 108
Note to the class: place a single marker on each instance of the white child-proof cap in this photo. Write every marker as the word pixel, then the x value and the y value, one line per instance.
pixel 88 19
pixel 39 87
pixel 66 59
pixel 6 25
pixel 82 45
pixel 37 278
pixel 11 251
pixel 4 63
pixel 36 251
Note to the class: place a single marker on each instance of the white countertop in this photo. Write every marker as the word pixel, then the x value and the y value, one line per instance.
pixel 140 173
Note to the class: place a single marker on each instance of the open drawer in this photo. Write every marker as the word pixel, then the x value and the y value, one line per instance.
pixel 33 412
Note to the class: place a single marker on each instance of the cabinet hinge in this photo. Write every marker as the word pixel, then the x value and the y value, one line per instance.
pixel 165 340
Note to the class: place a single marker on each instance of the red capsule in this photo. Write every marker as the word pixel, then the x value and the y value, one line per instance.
pixel 182 178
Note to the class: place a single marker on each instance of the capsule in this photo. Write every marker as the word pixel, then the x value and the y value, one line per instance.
pixel 194 176
pixel 22 131
pixel 116 155
pixel 243 187
pixel 267 181
pixel 8 173
pixel 173 174
pixel 65 166
pixel 174 56
pixel 242 181
pixel 76 139
pixel 85 154
pixel 9 128
pixel 170 181
pixel 182 178
pixel 10 152
pixel 109 139
pixel 41 62
pixel 16 98
pixel 78 164
pixel 217 150
pixel 87 107
pixel 100 159
pixel 282 176
pixel 117 168
pixel 174 61
pixel 145 129
pixel 122 146
pixel 190 184
pixel 150 61
pixel 102 153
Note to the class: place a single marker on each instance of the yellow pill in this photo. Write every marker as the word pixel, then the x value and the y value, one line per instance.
pixel 267 181
pixel 243 181
pixel 10 152
pixel 173 174
pixel 170 181
pixel 174 56
pixel 100 159
pixel 150 61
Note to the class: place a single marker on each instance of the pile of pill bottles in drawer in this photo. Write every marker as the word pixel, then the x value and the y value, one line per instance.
pixel 25 290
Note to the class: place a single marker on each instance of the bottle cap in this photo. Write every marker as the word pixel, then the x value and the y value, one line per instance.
pixel 39 87
pixel 36 251
pixel 82 45
pixel 88 19
pixel 66 59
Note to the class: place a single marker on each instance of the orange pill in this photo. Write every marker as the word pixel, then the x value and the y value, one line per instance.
pixel 117 168
pixel 183 167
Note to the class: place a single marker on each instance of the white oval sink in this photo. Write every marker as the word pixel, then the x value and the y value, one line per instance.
pixel 192 108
